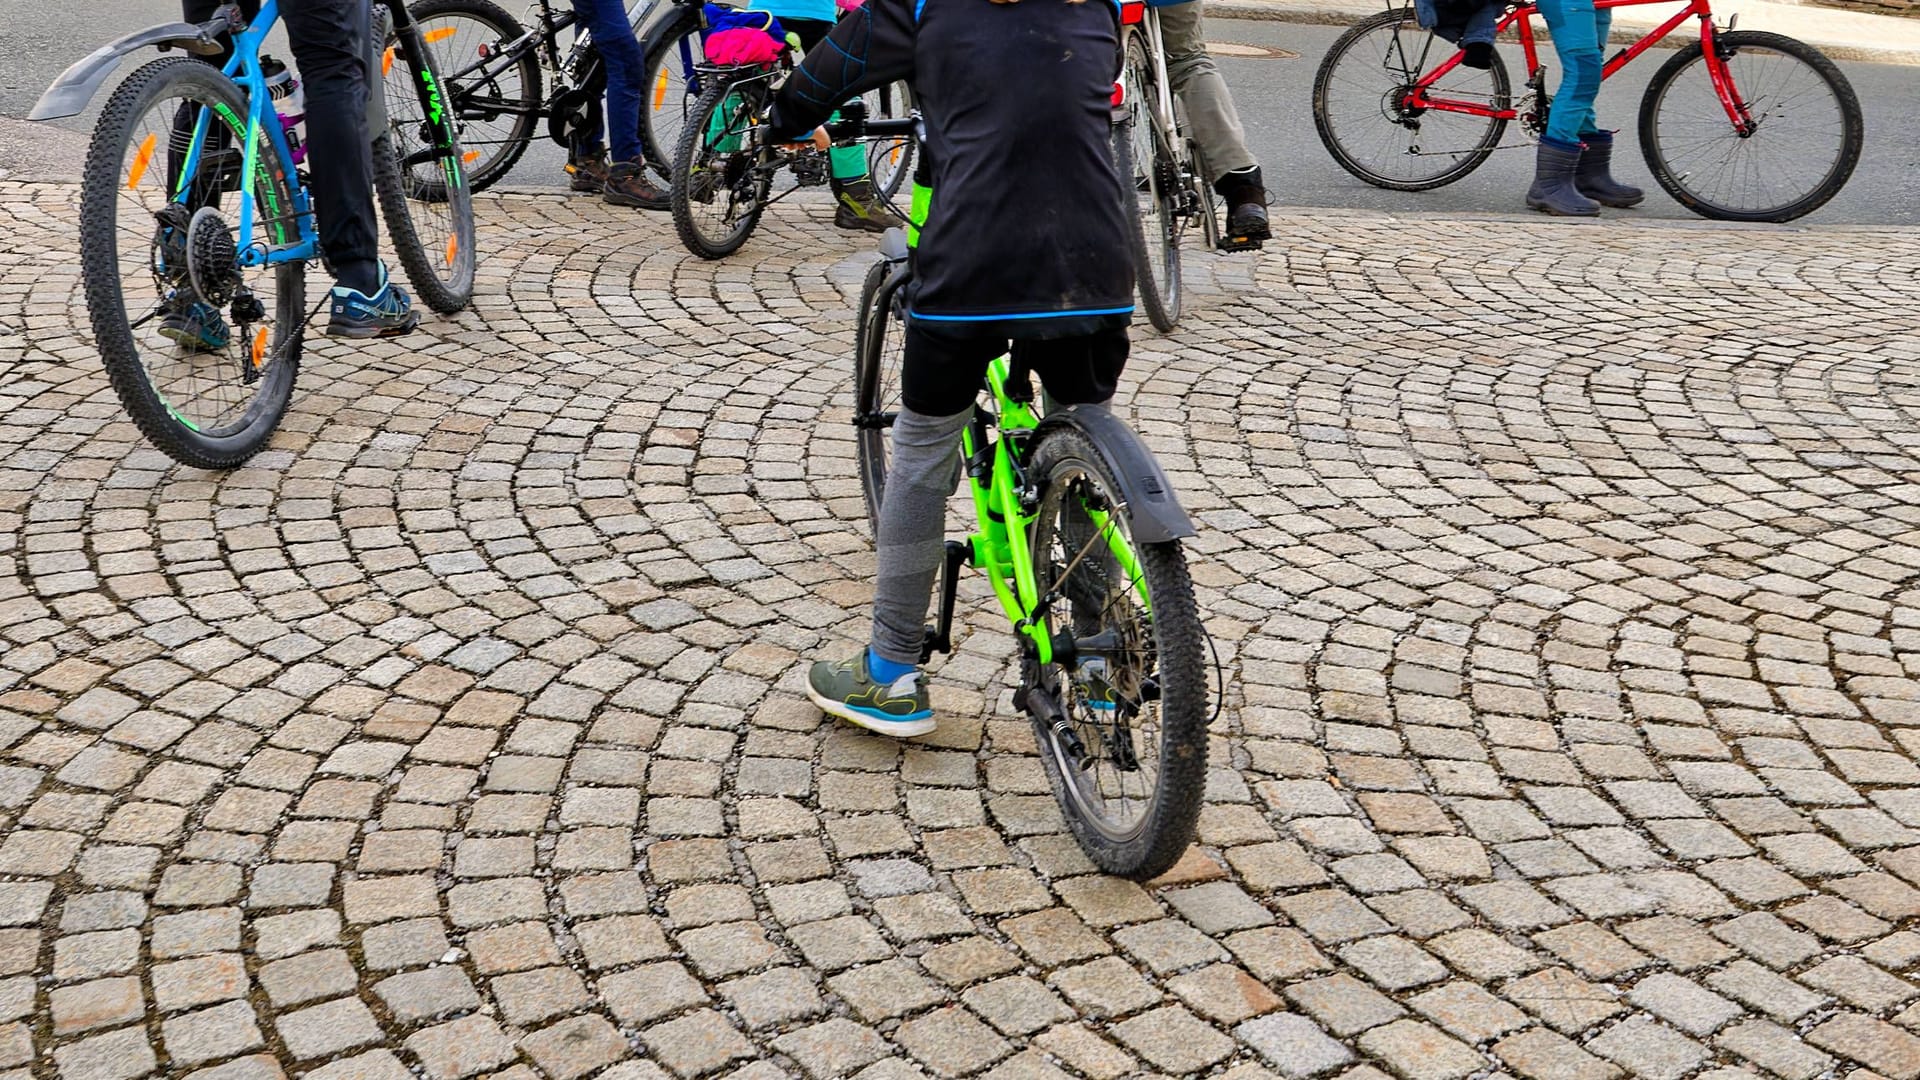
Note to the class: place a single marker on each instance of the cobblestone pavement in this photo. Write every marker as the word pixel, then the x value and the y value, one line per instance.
pixel 1562 573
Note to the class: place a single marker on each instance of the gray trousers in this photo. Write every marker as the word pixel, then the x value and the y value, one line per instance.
pixel 1202 91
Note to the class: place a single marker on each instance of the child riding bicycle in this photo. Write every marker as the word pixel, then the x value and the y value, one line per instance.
pixel 1024 242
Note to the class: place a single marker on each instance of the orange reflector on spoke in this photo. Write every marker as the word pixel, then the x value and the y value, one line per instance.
pixel 259 346
pixel 470 157
pixel 660 90
pixel 453 248
pixel 386 62
pixel 441 34
pixel 141 160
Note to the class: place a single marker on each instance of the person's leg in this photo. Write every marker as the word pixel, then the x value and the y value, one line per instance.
pixel 857 205
pixel 1553 190
pixel 880 687
pixel 587 155
pixel 331 52
pixel 1593 177
pixel 626 183
pixel 1202 89
pixel 940 380
pixel 1214 122
pixel 329 40
pixel 1574 24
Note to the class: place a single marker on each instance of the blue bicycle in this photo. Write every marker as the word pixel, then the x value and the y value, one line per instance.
pixel 196 224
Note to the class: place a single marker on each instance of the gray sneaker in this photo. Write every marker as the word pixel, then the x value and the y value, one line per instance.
pixel 844 688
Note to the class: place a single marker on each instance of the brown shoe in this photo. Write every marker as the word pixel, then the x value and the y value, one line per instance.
pixel 589 171
pixel 856 205
pixel 627 186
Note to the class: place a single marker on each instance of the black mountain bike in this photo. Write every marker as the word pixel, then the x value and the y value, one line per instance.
pixel 493 71
pixel 722 176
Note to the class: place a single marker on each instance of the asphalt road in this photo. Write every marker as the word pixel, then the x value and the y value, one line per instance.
pixel 1273 96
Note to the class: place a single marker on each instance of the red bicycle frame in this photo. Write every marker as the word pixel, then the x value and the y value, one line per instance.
pixel 1521 18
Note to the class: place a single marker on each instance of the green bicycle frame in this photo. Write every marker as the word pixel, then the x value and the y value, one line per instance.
pixel 1000 547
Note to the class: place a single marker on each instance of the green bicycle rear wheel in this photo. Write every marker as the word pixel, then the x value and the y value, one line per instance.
pixel 1128 757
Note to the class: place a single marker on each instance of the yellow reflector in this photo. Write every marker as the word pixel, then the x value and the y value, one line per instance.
pixel 386 62
pixel 140 162
pixel 441 34
pixel 660 90
pixel 259 346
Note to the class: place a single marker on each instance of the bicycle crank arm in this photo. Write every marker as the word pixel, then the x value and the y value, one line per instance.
pixel 939 637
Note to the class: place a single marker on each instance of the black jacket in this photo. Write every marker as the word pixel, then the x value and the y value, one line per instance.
pixel 1026 233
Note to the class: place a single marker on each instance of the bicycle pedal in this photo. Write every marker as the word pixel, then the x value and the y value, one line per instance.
pixel 1240 243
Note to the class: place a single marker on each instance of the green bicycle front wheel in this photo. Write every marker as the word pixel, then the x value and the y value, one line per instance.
pixel 1127 757
pixel 420 173
pixel 201 349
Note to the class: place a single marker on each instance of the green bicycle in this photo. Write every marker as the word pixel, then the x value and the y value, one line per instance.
pixel 1079 535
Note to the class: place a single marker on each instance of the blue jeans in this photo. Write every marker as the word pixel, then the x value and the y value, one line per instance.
pixel 613 38
pixel 1579 36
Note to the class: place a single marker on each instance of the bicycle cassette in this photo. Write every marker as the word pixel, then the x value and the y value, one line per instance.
pixel 213 263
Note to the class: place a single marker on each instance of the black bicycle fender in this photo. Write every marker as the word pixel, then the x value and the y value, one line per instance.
pixel 1153 510
pixel 893 245
pixel 666 22
pixel 76 86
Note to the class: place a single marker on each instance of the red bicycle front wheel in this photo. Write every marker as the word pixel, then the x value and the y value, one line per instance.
pixel 1798 152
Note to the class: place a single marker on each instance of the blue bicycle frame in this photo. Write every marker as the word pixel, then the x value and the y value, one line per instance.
pixel 246 71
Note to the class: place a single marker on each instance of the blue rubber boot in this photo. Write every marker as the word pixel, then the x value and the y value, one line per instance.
pixel 1553 190
pixel 1594 177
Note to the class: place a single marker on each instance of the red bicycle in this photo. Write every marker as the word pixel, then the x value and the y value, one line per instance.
pixel 1741 125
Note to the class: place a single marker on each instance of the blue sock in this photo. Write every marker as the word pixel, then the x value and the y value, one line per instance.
pixel 884 670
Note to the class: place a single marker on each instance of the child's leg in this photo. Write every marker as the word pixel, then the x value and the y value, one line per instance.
pixel 940 379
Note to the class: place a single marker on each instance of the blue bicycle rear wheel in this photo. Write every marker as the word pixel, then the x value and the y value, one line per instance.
pixel 201 349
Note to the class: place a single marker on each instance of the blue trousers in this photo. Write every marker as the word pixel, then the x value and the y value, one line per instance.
pixel 1579 37
pixel 613 38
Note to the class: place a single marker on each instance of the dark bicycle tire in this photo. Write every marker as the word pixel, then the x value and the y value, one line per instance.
pixel 657 142
pixel 872 361
pixel 1674 178
pixel 1468 159
pixel 491 166
pixel 685 176
pixel 1156 258
pixel 159 419
pixel 1166 824
pixel 437 199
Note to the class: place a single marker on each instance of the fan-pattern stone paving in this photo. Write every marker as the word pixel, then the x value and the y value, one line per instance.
pixel 1561 574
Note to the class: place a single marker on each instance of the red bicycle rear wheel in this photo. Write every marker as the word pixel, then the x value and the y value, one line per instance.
pixel 1359 106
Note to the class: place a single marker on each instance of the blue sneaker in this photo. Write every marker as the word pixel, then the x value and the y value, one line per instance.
pixel 197 328
pixel 1096 691
pixel 846 689
pixel 387 313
